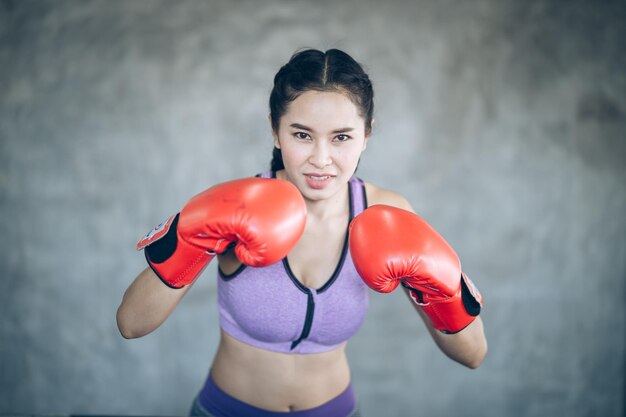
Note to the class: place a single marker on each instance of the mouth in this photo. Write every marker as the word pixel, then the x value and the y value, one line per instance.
pixel 316 177
pixel 318 181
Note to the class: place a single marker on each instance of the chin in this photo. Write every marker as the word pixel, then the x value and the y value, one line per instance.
pixel 324 193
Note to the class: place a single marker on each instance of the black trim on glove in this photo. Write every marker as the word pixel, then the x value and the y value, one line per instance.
pixel 161 250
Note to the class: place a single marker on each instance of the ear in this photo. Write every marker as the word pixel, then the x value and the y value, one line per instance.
pixel 274 133
pixel 367 137
pixel 276 141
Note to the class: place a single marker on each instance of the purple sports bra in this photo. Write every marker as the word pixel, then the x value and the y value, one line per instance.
pixel 269 308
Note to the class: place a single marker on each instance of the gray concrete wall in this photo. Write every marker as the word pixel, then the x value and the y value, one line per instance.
pixel 502 121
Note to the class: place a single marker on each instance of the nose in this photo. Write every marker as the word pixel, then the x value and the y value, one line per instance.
pixel 321 155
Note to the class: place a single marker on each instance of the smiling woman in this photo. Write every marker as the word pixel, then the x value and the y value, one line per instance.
pixel 298 247
pixel 321 138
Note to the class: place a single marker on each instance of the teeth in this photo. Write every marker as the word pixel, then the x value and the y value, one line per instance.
pixel 313 177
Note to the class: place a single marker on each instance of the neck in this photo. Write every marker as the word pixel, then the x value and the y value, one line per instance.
pixel 335 206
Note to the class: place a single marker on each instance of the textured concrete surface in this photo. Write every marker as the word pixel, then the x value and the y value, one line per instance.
pixel 502 121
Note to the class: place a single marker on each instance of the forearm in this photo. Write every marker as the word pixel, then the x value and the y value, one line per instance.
pixel 146 304
pixel 467 347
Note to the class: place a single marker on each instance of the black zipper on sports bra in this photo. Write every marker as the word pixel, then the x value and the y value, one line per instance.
pixel 308 321
pixel 310 306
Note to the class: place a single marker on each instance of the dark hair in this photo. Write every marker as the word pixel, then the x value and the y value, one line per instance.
pixel 311 69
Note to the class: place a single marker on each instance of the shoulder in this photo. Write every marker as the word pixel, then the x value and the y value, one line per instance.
pixel 378 195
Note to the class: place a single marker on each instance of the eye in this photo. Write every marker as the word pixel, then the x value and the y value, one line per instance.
pixel 302 135
pixel 342 138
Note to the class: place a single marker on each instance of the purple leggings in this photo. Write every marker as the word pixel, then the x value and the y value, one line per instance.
pixel 219 404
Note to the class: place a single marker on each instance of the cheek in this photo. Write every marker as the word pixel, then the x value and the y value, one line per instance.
pixel 350 155
pixel 292 155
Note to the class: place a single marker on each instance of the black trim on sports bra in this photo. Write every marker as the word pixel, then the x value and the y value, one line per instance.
pixel 293 278
pixel 228 277
pixel 344 252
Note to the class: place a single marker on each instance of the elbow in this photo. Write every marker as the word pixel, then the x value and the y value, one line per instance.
pixel 124 328
pixel 124 331
pixel 477 358
pixel 474 364
pixel 126 334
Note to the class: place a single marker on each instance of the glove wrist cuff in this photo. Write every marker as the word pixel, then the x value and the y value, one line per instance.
pixel 176 262
pixel 453 314
pixel 182 267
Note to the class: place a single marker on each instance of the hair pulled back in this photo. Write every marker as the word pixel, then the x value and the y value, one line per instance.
pixel 311 69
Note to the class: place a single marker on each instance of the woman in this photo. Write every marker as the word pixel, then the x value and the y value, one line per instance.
pixel 287 312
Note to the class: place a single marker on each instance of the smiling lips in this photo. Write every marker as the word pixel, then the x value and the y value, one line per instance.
pixel 318 181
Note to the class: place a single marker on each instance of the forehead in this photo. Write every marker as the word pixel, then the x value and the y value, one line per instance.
pixel 323 109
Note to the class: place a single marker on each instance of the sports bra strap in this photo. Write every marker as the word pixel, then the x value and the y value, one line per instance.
pixel 359 198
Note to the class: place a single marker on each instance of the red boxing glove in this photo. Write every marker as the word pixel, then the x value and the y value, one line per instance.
pixel 391 246
pixel 263 217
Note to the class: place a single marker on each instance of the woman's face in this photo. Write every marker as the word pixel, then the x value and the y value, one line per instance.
pixel 321 137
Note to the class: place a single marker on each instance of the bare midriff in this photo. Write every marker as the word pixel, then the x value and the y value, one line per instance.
pixel 279 381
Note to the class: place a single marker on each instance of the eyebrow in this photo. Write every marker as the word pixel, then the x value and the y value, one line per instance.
pixel 303 127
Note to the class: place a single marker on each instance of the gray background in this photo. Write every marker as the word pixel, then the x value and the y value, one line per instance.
pixel 501 121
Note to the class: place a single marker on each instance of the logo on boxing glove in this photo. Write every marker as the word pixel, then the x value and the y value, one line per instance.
pixel 156 233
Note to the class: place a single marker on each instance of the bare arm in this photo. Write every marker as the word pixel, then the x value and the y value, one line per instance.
pixel 146 304
pixel 467 347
